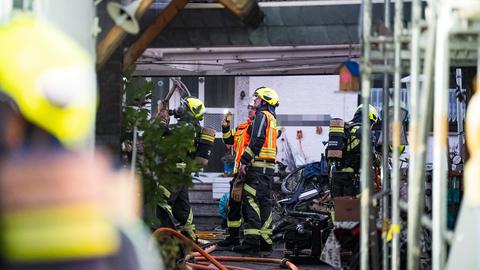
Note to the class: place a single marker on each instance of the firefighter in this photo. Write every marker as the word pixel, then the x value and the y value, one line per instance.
pixel 255 174
pixel 239 138
pixel 344 181
pixel 190 113
pixel 51 210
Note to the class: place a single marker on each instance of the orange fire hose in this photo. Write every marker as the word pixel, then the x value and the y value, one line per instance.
pixel 159 231
pixel 202 266
pixel 284 262
pixel 215 259
pixel 209 250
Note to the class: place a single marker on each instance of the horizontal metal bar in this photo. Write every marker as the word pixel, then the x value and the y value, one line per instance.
pixel 271 52
pixel 285 63
pixel 381 39
pixel 426 222
pixel 379 195
pixel 382 69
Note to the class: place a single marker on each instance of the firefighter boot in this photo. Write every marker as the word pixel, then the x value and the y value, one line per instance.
pixel 246 247
pixel 232 240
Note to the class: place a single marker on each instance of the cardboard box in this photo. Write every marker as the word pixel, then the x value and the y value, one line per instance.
pixel 347 208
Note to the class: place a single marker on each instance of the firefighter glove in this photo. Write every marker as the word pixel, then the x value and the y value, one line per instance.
pixel 237 190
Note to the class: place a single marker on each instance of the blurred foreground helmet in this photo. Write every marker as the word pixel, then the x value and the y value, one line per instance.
pixel 372 113
pixel 195 106
pixel 268 95
pixel 49 77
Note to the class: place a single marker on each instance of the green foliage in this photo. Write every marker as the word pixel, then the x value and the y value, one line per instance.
pixel 164 155
pixel 171 248
pixel 164 158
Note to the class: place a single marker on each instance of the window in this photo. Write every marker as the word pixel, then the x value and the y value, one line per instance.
pixel 192 85
pixel 219 92
pixel 23 4
pixel 377 102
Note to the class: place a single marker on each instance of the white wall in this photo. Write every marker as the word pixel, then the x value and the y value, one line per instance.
pixel 307 95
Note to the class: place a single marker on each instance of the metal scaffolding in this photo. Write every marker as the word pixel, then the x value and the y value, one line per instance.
pixel 440 34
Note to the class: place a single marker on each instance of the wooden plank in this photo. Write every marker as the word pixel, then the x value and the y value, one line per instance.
pixel 152 31
pixel 115 36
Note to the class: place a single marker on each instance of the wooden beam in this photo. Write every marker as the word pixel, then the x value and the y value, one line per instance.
pixel 115 36
pixel 152 31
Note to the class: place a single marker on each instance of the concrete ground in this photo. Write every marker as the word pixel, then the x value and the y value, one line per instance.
pixel 276 253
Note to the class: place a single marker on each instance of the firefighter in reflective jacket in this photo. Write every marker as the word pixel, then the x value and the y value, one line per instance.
pixel 344 180
pixel 255 174
pixel 191 113
pixel 239 138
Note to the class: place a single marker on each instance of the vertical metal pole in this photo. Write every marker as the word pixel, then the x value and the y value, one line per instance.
pixel 440 148
pixel 134 153
pixel 395 227
pixel 365 174
pixel 385 152
pixel 385 173
pixel 460 116
pixel 415 186
pixel 387 13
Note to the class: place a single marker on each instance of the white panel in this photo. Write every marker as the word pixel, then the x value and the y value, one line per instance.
pixel 74 17
pixel 309 95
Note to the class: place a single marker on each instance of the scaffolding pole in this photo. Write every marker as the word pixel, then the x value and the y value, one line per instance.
pixel 385 152
pixel 416 186
pixel 365 173
pixel 440 144
pixel 395 227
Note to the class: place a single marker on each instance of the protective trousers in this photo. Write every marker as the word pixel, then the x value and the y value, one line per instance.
pixel 344 184
pixel 179 208
pixel 234 220
pixel 257 208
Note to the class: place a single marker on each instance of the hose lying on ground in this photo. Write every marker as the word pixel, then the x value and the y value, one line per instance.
pixel 159 231
pixel 205 266
pixel 215 259
pixel 209 250
pixel 283 262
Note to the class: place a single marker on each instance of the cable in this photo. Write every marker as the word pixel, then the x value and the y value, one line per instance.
pixel 159 231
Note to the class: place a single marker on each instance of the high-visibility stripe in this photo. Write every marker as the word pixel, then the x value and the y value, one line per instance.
pixel 353 144
pixel 207 137
pixel 250 190
pixel 254 205
pixel 261 125
pixel 260 164
pixel 227 135
pixel 251 232
pixel 337 130
pixel 265 231
pixel 164 191
pixel 234 223
pixel 60 233
pixel 249 151
pixel 268 222
pixel 269 148
pixel 189 227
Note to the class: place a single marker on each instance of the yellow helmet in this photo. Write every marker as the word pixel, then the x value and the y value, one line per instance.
pixel 268 95
pixel 372 112
pixel 401 148
pixel 195 106
pixel 49 77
